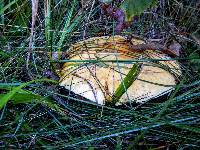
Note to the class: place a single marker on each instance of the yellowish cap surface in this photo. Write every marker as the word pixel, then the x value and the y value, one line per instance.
pixel 99 80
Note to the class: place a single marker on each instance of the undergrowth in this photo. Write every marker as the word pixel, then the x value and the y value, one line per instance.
pixel 37 113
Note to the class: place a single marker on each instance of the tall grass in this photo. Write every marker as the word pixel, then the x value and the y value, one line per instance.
pixel 37 113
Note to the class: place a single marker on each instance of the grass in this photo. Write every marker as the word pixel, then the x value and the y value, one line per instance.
pixel 37 113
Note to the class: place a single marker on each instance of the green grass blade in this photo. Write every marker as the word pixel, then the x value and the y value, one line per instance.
pixel 10 94
pixel 7 6
pixel 47 20
pixel 66 25
pixel 126 83
pixel 2 14
pixel 22 96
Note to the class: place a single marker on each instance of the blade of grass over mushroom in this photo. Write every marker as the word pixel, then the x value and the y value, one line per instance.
pixel 121 61
pixel 10 94
pixel 126 83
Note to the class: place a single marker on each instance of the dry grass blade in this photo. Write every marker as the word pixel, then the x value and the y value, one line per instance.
pixel 31 38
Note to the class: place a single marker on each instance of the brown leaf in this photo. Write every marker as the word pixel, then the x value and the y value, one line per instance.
pixel 175 47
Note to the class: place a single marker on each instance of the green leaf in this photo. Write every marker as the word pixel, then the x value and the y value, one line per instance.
pixel 136 7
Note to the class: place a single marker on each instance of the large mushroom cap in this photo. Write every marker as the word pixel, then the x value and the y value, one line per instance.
pixel 101 70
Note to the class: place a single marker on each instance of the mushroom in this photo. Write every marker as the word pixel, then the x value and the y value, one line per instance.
pixel 96 69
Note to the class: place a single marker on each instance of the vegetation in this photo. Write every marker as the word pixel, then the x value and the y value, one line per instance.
pixel 36 113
